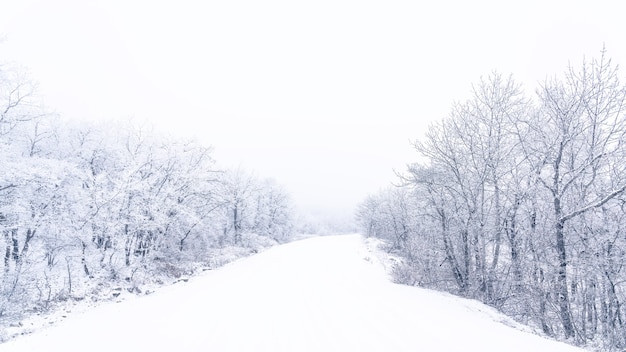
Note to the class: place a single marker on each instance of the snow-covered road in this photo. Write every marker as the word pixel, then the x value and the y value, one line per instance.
pixel 319 294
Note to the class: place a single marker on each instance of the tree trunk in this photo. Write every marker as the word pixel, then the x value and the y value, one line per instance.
pixel 542 316
pixel 128 247
pixel 450 257
pixel 83 259
pixel 466 259
pixel 561 285
pixel 16 245
pixel 7 253
pixel 236 224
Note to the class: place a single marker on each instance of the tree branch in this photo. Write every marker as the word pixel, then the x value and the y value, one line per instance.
pixel 597 204
pixel 7 187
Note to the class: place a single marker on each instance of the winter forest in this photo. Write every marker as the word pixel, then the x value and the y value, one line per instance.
pixel 88 209
pixel 518 200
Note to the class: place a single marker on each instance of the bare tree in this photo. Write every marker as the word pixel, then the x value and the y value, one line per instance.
pixel 522 202
pixel 578 145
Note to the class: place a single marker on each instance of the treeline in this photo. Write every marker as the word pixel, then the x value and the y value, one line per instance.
pixel 519 202
pixel 84 208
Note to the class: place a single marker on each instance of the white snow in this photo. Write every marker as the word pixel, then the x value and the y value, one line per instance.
pixel 319 294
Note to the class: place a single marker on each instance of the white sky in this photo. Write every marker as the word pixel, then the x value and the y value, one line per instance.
pixel 322 95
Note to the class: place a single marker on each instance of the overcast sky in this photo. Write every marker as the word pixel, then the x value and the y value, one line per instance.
pixel 324 96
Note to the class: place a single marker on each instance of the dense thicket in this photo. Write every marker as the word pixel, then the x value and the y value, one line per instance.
pixel 83 208
pixel 520 203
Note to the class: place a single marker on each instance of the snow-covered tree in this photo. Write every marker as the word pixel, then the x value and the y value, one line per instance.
pixel 520 203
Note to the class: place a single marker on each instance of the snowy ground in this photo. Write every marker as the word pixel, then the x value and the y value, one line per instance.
pixel 319 294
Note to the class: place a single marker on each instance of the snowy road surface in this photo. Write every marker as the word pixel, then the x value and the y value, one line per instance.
pixel 320 294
